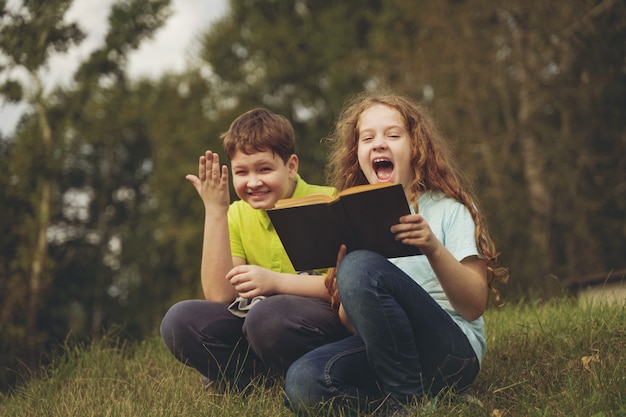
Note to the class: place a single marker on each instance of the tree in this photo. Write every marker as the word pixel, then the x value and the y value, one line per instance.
pixel 300 59
pixel 30 36
pixel 32 33
pixel 504 80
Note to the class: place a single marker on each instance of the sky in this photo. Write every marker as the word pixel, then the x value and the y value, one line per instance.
pixel 166 52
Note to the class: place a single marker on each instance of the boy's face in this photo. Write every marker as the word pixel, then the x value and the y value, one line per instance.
pixel 262 178
pixel 384 147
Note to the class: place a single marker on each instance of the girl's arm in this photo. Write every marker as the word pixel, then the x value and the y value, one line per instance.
pixel 464 282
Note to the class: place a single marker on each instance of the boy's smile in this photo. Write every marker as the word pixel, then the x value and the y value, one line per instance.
pixel 262 178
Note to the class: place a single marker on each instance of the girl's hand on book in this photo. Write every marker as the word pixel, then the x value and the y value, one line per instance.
pixel 341 254
pixel 211 182
pixel 414 230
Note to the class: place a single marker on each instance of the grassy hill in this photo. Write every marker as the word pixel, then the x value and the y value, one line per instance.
pixel 555 359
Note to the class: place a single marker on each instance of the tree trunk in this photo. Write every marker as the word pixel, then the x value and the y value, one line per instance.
pixel 533 165
pixel 40 252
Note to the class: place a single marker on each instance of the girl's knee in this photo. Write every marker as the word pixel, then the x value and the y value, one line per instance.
pixel 356 258
pixel 300 386
pixel 354 272
pixel 359 261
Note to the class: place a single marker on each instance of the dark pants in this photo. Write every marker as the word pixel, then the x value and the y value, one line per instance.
pixel 407 346
pixel 232 350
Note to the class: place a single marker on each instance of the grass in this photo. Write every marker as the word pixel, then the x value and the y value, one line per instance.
pixel 556 359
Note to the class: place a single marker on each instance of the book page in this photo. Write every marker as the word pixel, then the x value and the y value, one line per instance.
pixel 304 200
pixel 364 187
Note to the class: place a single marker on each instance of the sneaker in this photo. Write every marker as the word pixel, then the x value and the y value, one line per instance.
pixel 206 382
pixel 470 399
pixel 398 412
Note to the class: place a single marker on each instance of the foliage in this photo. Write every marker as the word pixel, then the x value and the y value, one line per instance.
pixel 31 35
pixel 49 169
pixel 557 359
pixel 516 88
pixel 530 94
pixel 516 100
pixel 299 59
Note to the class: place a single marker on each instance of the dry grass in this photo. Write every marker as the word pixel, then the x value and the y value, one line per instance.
pixel 555 359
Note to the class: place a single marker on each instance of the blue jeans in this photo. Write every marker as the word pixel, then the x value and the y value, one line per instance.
pixel 233 351
pixel 406 345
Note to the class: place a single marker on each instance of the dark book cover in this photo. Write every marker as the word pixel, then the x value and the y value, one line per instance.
pixel 361 218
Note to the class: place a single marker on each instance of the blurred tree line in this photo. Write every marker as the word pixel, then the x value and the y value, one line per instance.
pixel 99 229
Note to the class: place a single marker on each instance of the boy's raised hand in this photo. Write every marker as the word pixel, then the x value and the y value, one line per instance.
pixel 211 182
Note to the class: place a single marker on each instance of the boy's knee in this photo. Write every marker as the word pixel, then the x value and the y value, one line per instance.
pixel 173 325
pixel 264 328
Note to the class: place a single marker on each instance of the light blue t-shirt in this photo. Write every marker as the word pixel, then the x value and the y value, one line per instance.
pixel 453 225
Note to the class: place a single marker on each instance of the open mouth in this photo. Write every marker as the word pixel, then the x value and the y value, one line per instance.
pixel 383 169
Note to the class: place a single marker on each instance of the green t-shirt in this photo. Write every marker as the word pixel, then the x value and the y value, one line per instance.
pixel 253 237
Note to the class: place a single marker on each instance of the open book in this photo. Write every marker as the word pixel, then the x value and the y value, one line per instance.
pixel 313 227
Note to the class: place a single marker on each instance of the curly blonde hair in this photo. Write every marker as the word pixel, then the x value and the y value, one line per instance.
pixel 434 168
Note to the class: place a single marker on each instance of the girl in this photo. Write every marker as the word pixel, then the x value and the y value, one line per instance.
pixel 416 320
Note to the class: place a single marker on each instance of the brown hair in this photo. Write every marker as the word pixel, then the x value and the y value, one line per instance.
pixel 434 167
pixel 260 130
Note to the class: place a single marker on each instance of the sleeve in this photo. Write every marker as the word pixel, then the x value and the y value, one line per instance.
pixel 234 231
pixel 460 231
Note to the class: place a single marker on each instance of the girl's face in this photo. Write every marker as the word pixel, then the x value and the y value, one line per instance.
pixel 384 147
pixel 262 178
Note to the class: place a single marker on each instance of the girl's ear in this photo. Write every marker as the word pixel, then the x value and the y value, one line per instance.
pixel 292 166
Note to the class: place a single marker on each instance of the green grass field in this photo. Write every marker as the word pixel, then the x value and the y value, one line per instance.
pixel 554 359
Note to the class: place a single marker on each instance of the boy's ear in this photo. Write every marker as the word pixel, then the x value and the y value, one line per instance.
pixel 292 165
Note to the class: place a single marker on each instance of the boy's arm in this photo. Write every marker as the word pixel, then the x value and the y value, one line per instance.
pixel 212 186
pixel 302 285
pixel 217 259
pixel 252 280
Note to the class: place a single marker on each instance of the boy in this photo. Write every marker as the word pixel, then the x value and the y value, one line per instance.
pixel 244 260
